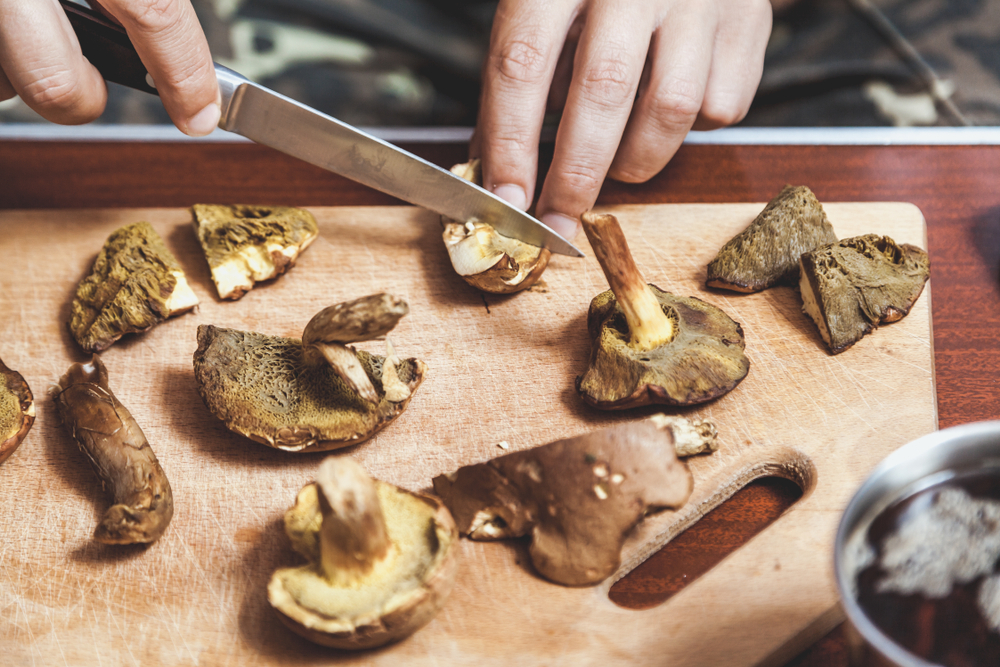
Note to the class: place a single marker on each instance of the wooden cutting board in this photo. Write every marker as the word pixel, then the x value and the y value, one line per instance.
pixel 500 369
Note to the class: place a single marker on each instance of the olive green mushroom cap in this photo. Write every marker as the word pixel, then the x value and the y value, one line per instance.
pixel 17 410
pixel 703 360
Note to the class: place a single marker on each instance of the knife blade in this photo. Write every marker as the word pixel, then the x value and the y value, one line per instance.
pixel 271 119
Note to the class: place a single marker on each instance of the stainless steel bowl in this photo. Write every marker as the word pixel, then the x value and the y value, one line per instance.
pixel 913 467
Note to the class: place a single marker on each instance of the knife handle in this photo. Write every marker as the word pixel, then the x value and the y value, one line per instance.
pixel 108 48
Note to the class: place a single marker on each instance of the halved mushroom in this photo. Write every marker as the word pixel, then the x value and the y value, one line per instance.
pixel 313 394
pixel 851 287
pixel 382 560
pixel 578 498
pixel 767 252
pixel 486 259
pixel 17 410
pixel 650 346
pixel 135 283
pixel 246 244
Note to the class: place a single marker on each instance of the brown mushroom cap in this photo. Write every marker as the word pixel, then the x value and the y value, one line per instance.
pixel 578 498
pixel 17 410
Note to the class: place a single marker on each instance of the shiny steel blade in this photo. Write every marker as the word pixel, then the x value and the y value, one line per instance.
pixel 283 124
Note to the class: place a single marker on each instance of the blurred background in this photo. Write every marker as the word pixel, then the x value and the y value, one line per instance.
pixel 415 63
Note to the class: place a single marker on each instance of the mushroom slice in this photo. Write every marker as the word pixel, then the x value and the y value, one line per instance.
pixel 107 433
pixel 650 346
pixel 17 410
pixel 135 284
pixel 486 259
pixel 247 244
pixel 767 252
pixel 578 498
pixel 851 287
pixel 382 560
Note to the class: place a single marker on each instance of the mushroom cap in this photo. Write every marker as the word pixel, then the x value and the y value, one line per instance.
pixel 398 596
pixel 703 361
pixel 17 410
pixel 262 388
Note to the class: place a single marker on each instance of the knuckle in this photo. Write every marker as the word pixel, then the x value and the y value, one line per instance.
pixel 153 15
pixel 609 80
pixel 57 92
pixel 721 111
pixel 522 61
pixel 580 178
pixel 676 104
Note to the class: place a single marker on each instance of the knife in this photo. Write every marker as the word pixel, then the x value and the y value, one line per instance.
pixel 271 119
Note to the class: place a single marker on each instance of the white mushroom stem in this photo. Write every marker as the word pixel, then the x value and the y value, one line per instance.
pixel 345 364
pixel 394 388
pixel 647 323
pixel 352 537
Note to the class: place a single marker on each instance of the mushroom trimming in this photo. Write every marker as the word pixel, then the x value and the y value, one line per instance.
pixel 650 346
pixel 17 410
pixel 382 560
pixel 312 394
pixel 121 456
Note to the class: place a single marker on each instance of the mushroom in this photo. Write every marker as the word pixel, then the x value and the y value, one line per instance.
pixel 851 287
pixel 486 259
pixel 17 410
pixel 246 244
pixel 767 252
pixel 382 560
pixel 312 394
pixel 116 446
pixel 135 284
pixel 578 498
pixel 650 346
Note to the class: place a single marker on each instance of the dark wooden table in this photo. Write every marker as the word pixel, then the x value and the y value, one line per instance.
pixel 956 187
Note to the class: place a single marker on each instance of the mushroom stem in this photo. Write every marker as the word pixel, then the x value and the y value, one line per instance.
pixel 353 536
pixel 344 362
pixel 648 324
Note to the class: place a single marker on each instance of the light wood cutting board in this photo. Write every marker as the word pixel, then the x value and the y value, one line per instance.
pixel 500 369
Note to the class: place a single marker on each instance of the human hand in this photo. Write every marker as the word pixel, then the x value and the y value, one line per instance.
pixel 41 61
pixel 695 64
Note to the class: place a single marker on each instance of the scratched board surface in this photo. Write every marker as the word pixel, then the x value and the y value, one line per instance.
pixel 501 369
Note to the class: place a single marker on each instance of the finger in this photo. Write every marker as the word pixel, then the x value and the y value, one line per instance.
pixel 6 89
pixel 563 75
pixel 172 45
pixel 669 103
pixel 41 58
pixel 524 47
pixel 606 71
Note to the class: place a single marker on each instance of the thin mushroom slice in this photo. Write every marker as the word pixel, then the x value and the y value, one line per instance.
pixel 381 560
pixel 135 284
pixel 649 346
pixel 247 244
pixel 486 259
pixel 17 410
pixel 851 287
pixel 767 252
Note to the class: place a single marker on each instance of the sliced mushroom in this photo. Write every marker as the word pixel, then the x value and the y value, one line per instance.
pixel 767 252
pixel 486 259
pixel 17 410
pixel 110 437
pixel 382 560
pixel 135 283
pixel 308 396
pixel 578 498
pixel 650 346
pixel 247 244
pixel 851 287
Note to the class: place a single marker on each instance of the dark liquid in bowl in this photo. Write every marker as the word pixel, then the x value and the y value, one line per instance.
pixel 950 630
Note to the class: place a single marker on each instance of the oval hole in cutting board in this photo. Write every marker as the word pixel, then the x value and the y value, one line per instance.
pixel 697 550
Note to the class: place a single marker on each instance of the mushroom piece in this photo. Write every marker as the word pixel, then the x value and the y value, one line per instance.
pixel 650 346
pixel 17 410
pixel 767 252
pixel 578 498
pixel 382 560
pixel 486 259
pixel 246 244
pixel 851 287
pixel 135 284
pixel 312 394
pixel 107 433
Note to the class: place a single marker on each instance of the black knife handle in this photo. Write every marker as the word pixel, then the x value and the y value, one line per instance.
pixel 107 47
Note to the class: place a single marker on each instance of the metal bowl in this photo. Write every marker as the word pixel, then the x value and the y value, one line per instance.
pixel 917 465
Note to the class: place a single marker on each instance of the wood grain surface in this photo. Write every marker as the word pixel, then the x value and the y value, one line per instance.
pixel 501 369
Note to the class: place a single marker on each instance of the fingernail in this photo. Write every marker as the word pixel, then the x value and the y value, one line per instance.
pixel 204 121
pixel 512 194
pixel 563 225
